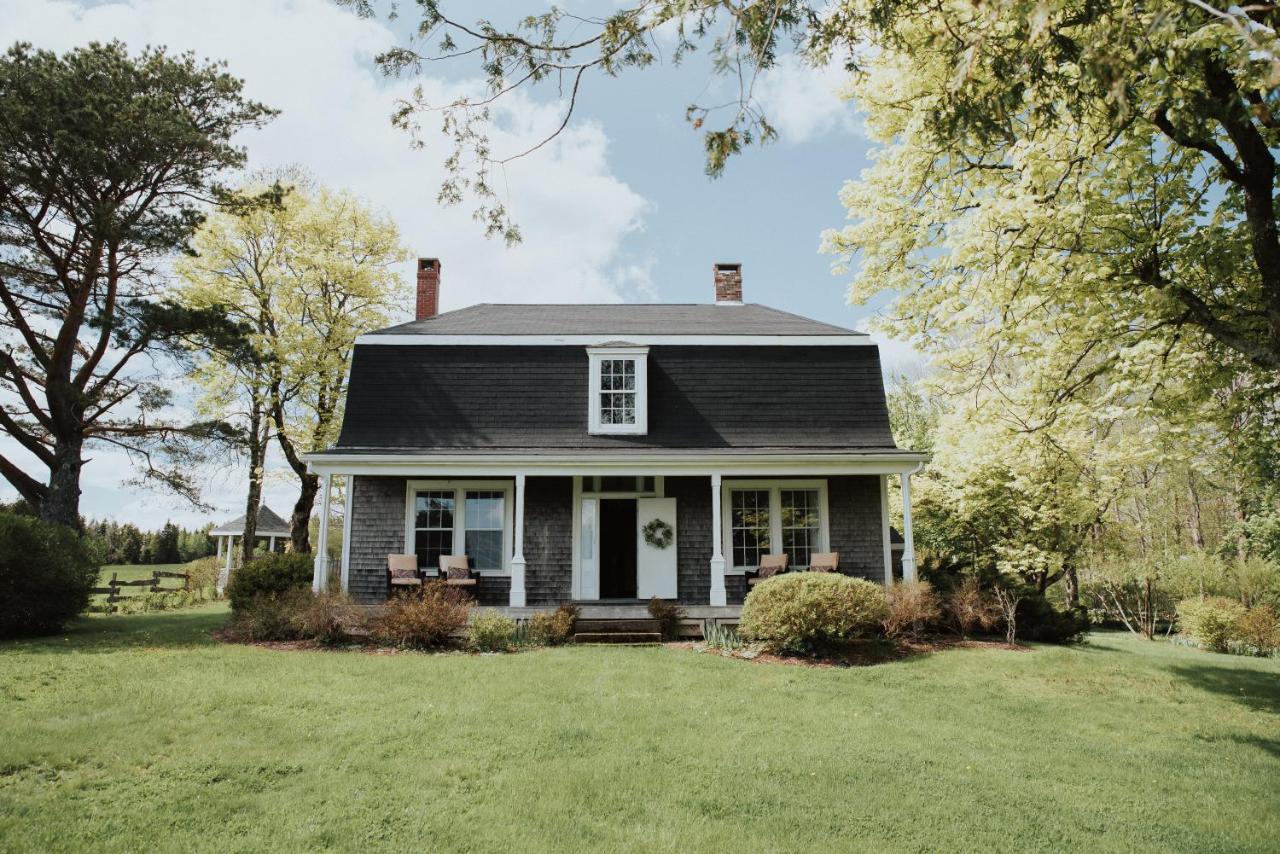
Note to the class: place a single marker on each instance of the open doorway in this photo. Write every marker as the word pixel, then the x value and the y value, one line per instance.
pixel 618 548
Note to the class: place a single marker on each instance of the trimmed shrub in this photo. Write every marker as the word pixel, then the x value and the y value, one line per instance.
pixel 1039 621
pixel 327 618
pixel 807 611
pixel 554 628
pixel 912 606
pixel 269 575
pixel 202 573
pixel 970 608
pixel 428 620
pixel 491 632
pixel 1259 629
pixel 1212 621
pixel 668 614
pixel 46 572
pixel 269 617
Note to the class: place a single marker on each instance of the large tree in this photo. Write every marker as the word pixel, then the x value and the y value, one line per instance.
pixel 306 276
pixel 107 162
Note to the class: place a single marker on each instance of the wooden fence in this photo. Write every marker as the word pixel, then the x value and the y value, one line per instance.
pixel 149 585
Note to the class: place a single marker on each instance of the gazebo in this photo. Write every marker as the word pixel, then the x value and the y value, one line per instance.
pixel 270 527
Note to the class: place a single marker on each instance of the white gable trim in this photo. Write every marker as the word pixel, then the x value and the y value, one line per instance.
pixel 603 340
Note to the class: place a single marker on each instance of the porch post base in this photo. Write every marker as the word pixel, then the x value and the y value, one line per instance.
pixel 517 599
pixel 719 596
pixel 908 568
pixel 320 578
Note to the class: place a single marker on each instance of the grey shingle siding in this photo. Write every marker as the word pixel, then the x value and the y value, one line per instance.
pixel 377 530
pixel 548 540
pixel 855 529
pixel 500 397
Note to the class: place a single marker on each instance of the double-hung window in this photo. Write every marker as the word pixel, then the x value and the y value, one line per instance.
pixel 618 384
pixel 460 517
pixel 771 517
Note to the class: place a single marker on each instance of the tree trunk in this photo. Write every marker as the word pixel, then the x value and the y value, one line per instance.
pixel 300 521
pixel 1197 527
pixel 257 453
pixel 61 503
pixel 1071 587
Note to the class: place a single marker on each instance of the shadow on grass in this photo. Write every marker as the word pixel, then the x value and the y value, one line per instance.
pixel 1257 689
pixel 184 629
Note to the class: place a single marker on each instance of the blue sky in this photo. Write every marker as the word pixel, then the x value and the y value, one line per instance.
pixel 618 209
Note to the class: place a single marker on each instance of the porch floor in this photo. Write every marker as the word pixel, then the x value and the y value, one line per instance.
pixel 626 611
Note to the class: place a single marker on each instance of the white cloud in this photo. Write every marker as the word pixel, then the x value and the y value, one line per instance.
pixel 313 61
pixel 804 102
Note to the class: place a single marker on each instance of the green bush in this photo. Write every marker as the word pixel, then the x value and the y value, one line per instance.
pixel 807 611
pixel 1212 621
pixel 202 573
pixel 668 614
pixel 269 575
pixel 491 632
pixel 46 572
pixel 269 616
pixel 1258 629
pixel 551 628
pixel 164 600
pixel 1039 621
pixel 427 620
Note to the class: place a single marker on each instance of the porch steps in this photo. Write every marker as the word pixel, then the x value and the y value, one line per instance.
pixel 618 631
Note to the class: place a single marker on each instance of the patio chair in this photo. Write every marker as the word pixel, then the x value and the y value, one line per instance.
pixel 457 572
pixel 403 572
pixel 770 565
pixel 824 561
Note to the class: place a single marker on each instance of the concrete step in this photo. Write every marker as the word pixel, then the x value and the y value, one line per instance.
pixel 600 625
pixel 631 638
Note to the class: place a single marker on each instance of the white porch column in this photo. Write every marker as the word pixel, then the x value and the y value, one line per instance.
pixel 517 559
pixel 719 596
pixel 219 540
pixel 225 575
pixel 344 568
pixel 908 547
pixel 320 576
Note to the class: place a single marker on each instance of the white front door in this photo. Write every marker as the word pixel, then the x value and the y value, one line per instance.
pixel 655 567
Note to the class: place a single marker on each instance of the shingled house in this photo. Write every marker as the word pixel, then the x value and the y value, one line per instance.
pixel 613 453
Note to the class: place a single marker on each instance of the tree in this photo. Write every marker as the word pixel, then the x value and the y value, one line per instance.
pixel 306 276
pixel 105 163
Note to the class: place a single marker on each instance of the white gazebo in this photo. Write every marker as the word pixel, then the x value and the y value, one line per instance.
pixel 270 527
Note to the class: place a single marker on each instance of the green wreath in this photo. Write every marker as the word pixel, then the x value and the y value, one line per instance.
pixel 658 534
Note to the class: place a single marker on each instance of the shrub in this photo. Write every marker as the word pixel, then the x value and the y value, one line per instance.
pixel 269 575
pixel 326 618
pixel 552 629
pixel 723 639
pixel 202 573
pixel 912 606
pixel 270 616
pixel 970 608
pixel 164 600
pixel 1259 629
pixel 668 614
pixel 424 621
pixel 806 611
pixel 1038 620
pixel 1212 621
pixel 491 632
pixel 46 572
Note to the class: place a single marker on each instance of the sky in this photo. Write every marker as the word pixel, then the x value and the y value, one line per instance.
pixel 617 209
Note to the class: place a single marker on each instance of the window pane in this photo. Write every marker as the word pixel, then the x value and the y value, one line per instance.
pixel 485 549
pixel 433 521
pixel 431 545
pixel 749 525
pixel 800 524
pixel 484 510
pixel 434 510
pixel 484 519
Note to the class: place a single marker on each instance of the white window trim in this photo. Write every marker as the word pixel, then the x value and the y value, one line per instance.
pixel 460 488
pixel 596 355
pixel 775 488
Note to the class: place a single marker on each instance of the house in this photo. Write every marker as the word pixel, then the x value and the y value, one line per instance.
pixel 613 453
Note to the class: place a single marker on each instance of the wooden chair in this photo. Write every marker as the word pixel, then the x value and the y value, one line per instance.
pixel 403 572
pixel 824 561
pixel 456 571
pixel 770 565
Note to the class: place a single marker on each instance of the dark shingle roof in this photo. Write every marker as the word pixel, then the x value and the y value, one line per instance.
pixel 635 319
pixel 268 523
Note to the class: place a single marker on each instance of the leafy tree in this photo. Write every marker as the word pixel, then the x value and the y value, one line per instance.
pixel 106 161
pixel 306 277
pixel 166 548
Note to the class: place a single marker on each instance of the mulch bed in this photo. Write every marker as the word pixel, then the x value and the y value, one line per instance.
pixel 864 654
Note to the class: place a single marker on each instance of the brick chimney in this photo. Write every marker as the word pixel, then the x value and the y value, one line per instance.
pixel 428 288
pixel 728 284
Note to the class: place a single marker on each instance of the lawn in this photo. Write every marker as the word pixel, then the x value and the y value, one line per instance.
pixel 139 732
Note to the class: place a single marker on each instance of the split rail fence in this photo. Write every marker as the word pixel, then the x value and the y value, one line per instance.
pixel 114 587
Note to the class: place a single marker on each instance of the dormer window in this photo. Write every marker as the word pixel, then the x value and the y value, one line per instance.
pixel 619 390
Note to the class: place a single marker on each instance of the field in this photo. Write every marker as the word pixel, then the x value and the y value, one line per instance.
pixel 140 732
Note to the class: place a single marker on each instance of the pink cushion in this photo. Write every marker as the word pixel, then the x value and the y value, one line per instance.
pixel 457 572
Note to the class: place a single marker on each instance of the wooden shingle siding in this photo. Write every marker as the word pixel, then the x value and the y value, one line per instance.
pixel 500 397
pixel 548 540
pixel 693 537
pixel 377 530
pixel 856 532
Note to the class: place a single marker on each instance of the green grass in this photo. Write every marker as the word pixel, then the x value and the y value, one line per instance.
pixel 129 572
pixel 139 732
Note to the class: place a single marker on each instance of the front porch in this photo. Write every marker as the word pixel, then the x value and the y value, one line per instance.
pixel 608 542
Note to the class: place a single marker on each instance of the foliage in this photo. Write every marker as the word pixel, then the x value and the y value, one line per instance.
pixel 1039 620
pixel 554 628
pixel 269 575
pixel 723 639
pixel 807 611
pixel 912 607
pixel 669 614
pixel 1213 620
pixel 490 631
pixel 1129 592
pixel 202 573
pixel 428 620
pixel 164 600
pixel 46 572
pixel 1007 599
pixel 327 618
pixel 970 608
pixel 1259 629
pixel 303 277
pixel 107 164
pixel 269 616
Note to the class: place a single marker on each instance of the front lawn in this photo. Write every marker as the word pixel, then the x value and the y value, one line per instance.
pixel 139 732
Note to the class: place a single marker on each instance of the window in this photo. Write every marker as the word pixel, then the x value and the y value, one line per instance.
pixel 460 517
pixel 610 483
pixel 618 383
pixel 768 517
